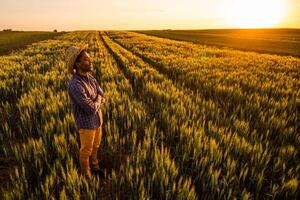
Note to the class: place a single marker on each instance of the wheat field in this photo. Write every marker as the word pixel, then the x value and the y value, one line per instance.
pixel 181 121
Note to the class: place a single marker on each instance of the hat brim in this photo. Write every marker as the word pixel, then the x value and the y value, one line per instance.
pixel 72 60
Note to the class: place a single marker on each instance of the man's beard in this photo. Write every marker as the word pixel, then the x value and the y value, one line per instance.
pixel 87 70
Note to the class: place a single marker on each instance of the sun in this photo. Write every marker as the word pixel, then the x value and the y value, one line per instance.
pixel 257 13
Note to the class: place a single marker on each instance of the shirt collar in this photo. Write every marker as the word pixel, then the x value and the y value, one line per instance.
pixel 81 76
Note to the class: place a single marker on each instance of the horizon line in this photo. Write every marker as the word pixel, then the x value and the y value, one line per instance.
pixel 260 28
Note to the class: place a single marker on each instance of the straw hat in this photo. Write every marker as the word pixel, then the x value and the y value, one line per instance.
pixel 71 54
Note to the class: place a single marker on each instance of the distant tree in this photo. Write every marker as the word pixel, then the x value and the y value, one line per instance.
pixel 55 31
pixel 9 29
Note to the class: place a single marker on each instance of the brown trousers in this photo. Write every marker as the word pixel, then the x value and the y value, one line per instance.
pixel 90 140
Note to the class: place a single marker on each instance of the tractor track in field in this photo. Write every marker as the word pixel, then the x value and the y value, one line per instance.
pixel 180 88
pixel 183 86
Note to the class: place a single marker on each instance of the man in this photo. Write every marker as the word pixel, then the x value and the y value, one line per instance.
pixel 86 97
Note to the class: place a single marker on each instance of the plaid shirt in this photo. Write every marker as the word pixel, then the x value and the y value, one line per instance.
pixel 83 91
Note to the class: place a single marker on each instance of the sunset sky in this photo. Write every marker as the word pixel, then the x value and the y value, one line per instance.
pixel 147 14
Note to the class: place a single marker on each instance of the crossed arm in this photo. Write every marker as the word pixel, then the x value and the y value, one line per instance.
pixel 99 89
pixel 78 94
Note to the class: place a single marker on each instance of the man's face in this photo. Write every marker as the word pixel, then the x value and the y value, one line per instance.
pixel 85 64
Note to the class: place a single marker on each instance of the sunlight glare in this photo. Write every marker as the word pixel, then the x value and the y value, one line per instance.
pixel 257 13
